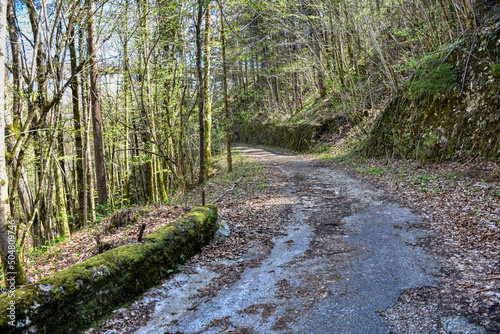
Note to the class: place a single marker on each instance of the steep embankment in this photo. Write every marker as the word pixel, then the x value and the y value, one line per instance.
pixel 451 107
pixel 298 137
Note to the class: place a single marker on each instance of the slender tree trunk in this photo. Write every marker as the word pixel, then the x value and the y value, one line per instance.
pixel 89 179
pixel 13 271
pixel 88 176
pixel 62 219
pixel 19 178
pixel 59 172
pixel 17 66
pixel 100 169
pixel 126 88
pixel 208 102
pixel 224 83
pixel 69 207
pixel 75 99
pixel 201 97
pixel 181 165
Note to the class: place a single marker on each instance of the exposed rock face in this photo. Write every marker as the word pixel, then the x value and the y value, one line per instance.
pixel 460 118
pixel 299 137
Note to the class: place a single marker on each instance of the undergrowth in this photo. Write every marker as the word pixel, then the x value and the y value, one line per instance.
pixel 81 245
pixel 220 180
pixel 348 143
pixel 432 75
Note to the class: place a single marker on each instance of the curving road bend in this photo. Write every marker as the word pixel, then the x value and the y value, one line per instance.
pixel 348 254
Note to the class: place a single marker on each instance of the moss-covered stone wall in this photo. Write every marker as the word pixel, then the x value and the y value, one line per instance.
pixel 301 137
pixel 462 120
pixel 72 299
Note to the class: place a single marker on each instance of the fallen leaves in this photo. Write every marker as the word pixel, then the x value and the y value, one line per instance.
pixel 461 202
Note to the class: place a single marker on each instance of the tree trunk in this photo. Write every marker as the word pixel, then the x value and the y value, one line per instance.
pixel 17 65
pixel 62 219
pixel 201 97
pixel 19 179
pixel 100 169
pixel 126 88
pixel 75 99
pixel 208 102
pixel 224 83
pixel 14 273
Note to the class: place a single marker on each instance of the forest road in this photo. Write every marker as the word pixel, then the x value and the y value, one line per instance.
pixel 347 254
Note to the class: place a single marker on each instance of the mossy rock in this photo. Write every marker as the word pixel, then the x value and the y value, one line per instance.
pixel 72 299
pixel 458 120
pixel 125 217
pixel 300 137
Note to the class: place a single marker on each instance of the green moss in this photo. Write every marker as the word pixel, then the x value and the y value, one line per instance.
pixel 70 300
pixel 433 77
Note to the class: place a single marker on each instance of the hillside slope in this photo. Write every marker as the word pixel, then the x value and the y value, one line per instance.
pixel 451 107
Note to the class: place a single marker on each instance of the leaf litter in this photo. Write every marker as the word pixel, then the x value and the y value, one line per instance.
pixel 461 205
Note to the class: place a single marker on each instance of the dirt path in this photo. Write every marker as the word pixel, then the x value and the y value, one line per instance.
pixel 344 254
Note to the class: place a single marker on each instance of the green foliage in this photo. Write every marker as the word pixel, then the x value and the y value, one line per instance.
pixel 430 139
pixel 322 148
pixel 102 211
pixel 402 172
pixel 423 178
pixel 42 249
pixel 374 171
pixel 495 69
pixel 433 76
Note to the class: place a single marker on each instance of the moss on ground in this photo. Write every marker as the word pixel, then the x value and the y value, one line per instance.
pixel 72 299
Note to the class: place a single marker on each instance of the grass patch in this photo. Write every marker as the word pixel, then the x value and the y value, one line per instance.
pixel 422 178
pixel 374 171
pixel 495 69
pixel 244 170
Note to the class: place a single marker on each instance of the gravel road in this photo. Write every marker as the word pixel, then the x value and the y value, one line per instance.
pixel 348 253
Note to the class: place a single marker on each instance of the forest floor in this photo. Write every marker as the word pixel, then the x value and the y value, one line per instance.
pixel 458 205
